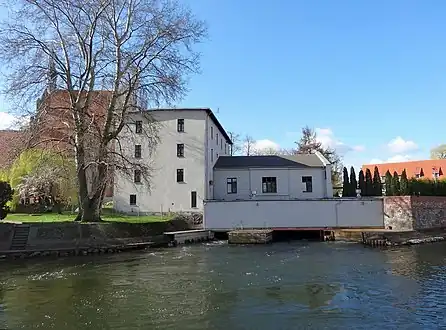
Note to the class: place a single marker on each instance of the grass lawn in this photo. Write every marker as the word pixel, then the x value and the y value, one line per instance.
pixel 107 215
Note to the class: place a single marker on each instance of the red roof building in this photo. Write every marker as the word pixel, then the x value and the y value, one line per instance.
pixel 428 169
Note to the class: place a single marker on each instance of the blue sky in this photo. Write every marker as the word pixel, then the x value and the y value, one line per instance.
pixel 370 76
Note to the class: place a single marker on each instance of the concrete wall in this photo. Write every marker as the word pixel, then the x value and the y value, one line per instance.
pixel 6 234
pixel 51 236
pixel 414 212
pixel 216 146
pixel 289 183
pixel 227 215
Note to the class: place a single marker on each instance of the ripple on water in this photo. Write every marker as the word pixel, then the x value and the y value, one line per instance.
pixel 279 286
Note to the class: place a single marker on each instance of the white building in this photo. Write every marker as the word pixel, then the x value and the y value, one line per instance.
pixel 305 176
pixel 283 193
pixel 191 141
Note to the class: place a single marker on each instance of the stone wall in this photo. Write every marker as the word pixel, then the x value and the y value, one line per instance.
pixel 398 213
pixel 6 234
pixel 64 235
pixel 414 212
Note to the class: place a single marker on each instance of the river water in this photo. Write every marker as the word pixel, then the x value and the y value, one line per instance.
pixel 298 285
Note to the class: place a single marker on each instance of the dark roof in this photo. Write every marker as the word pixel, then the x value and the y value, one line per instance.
pixel 297 161
pixel 208 111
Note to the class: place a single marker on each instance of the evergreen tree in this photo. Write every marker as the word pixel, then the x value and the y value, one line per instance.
pixel 345 184
pixel 361 182
pixel 353 182
pixel 388 184
pixel 377 187
pixel 396 189
pixel 404 184
pixel 368 183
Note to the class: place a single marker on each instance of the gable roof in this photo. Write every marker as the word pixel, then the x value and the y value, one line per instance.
pixel 295 161
pixel 208 111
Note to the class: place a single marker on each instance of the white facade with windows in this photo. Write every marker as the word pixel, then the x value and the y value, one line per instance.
pixel 272 177
pixel 283 193
pixel 190 142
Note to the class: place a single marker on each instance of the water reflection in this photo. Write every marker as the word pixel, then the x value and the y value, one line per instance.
pixel 213 286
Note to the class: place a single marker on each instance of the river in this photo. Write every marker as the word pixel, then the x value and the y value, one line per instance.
pixel 298 285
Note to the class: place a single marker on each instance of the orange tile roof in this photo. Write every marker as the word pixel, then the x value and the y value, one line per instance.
pixel 427 167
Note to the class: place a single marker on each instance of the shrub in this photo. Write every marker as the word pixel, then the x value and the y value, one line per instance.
pixel 6 194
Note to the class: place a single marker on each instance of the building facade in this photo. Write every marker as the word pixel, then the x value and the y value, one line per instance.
pixel 427 169
pixel 305 176
pixel 181 163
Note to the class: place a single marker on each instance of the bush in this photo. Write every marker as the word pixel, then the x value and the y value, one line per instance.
pixel 426 187
pixel 6 194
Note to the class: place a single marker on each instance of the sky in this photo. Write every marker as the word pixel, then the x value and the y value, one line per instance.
pixel 368 76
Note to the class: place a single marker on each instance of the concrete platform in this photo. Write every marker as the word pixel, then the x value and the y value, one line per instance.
pixel 250 236
pixel 188 236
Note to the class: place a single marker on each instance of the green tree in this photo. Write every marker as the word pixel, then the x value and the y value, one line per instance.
pixel 361 182
pixel 141 52
pixel 6 193
pixel 377 186
pixel 388 184
pixel 404 184
pixel 439 152
pixel 44 168
pixel 345 184
pixel 368 183
pixel 396 189
pixel 353 181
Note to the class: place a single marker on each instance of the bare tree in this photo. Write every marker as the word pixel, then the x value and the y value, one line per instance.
pixel 236 146
pixel 308 143
pixel 439 152
pixel 248 145
pixel 272 152
pixel 140 51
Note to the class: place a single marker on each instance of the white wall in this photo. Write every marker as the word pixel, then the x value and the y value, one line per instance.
pixel 165 194
pixel 216 145
pixel 227 215
pixel 289 183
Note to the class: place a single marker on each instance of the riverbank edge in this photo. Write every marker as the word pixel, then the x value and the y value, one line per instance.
pixel 389 238
pixel 19 241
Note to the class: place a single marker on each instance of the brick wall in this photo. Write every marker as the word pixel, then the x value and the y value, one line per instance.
pixel 414 212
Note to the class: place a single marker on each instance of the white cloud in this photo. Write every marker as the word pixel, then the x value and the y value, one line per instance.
pixel 393 159
pixel 6 120
pixel 266 144
pixel 399 145
pixel 328 139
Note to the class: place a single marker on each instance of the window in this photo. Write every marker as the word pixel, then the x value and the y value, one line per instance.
pixel 132 199
pixel 212 132
pixel 217 138
pixel 308 180
pixel 231 185
pixel 269 184
pixel 180 175
pixel 180 150
pixel 137 151
pixel 226 148
pixel 180 125
pixel 221 144
pixel 193 199
pixel 137 176
pixel 138 127
pixel 212 155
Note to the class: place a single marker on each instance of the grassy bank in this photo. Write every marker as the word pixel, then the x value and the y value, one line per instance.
pixel 107 215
